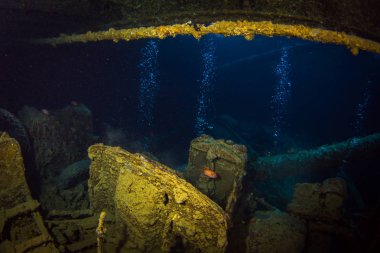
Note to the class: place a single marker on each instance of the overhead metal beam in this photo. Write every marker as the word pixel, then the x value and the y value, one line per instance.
pixel 49 18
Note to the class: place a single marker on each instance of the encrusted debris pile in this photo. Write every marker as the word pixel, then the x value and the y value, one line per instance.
pixel 159 209
pixel 21 226
pixel 225 158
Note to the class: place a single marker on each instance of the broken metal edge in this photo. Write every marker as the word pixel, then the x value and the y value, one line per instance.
pixel 247 29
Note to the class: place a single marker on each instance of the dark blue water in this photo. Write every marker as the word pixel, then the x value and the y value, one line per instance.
pixel 274 95
pixel 327 85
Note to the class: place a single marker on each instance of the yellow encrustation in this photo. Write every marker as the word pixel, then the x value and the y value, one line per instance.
pixel 157 207
pixel 101 231
pixel 245 28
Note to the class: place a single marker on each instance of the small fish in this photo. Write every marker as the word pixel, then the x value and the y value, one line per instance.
pixel 210 173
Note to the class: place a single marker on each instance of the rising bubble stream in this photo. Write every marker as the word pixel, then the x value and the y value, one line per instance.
pixel 282 92
pixel 149 85
pixel 362 108
pixel 206 85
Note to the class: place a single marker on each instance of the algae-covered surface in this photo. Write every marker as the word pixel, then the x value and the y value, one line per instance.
pixel 13 185
pixel 227 159
pixel 159 209
pixel 247 29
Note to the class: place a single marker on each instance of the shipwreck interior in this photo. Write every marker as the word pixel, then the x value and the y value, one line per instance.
pixel 86 165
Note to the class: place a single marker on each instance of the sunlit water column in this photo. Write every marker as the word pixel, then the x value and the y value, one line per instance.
pixel 362 108
pixel 206 85
pixel 282 92
pixel 149 85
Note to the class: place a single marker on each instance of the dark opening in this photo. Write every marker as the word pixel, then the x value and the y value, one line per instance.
pixel 166 199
